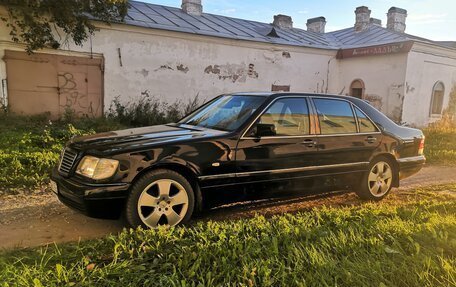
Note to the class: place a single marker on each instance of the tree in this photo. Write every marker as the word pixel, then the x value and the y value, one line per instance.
pixel 40 23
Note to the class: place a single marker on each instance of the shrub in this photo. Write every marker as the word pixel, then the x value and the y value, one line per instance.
pixel 149 110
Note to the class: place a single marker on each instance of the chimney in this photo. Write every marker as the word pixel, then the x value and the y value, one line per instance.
pixel 396 19
pixel 192 7
pixel 362 18
pixel 375 21
pixel 283 21
pixel 316 25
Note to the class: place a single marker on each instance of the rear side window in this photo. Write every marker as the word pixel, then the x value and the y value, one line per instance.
pixel 289 116
pixel 335 116
pixel 365 125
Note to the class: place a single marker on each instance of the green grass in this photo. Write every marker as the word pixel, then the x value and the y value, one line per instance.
pixel 440 146
pixel 408 242
pixel 30 146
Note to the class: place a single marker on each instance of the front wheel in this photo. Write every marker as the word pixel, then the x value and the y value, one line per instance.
pixel 377 182
pixel 160 197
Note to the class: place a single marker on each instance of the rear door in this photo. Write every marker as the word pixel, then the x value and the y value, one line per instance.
pixel 290 153
pixel 347 138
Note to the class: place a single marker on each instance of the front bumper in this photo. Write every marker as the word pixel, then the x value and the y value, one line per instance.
pixel 94 200
pixel 409 166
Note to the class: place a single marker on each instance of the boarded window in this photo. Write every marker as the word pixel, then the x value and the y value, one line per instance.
pixel 357 89
pixel 437 98
pixel 277 88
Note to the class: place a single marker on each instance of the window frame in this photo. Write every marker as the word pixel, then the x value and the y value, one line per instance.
pixel 311 114
pixel 363 88
pixel 353 106
pixel 434 87
pixel 350 104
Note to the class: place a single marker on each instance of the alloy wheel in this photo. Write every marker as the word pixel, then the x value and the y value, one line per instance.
pixel 163 202
pixel 380 179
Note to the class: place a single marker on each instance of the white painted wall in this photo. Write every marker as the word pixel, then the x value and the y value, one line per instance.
pixel 426 66
pixel 178 66
pixel 384 79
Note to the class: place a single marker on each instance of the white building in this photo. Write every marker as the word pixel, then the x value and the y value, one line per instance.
pixel 175 53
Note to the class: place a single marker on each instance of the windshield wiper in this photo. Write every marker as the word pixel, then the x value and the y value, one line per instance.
pixel 190 127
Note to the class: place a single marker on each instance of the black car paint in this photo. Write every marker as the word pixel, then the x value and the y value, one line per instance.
pixel 213 158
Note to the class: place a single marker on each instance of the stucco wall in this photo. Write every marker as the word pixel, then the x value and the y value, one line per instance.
pixel 383 77
pixel 426 66
pixel 180 66
pixel 173 66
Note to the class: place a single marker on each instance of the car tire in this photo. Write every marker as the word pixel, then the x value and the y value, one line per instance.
pixel 377 182
pixel 160 197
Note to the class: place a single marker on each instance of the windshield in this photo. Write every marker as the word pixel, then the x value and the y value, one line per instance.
pixel 226 113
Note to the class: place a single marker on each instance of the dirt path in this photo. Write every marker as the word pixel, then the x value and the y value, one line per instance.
pixel 34 220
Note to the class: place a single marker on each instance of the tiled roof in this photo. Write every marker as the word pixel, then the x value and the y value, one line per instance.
pixel 174 19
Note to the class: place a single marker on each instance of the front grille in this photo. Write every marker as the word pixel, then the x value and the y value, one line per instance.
pixel 68 158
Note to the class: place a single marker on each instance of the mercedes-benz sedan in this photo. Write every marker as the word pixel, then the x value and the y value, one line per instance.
pixel 158 175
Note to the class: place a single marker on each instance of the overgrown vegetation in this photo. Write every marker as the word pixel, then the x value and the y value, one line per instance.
pixel 30 146
pixel 394 243
pixel 49 23
pixel 149 110
pixel 441 136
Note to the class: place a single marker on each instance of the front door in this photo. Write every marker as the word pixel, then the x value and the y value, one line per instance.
pixel 289 153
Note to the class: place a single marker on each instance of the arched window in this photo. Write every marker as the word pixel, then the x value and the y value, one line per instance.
pixel 438 91
pixel 357 89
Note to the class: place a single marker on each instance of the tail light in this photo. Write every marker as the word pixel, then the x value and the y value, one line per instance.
pixel 421 147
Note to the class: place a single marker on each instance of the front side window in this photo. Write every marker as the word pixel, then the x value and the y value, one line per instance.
pixel 289 116
pixel 365 125
pixel 226 113
pixel 335 116
pixel 437 98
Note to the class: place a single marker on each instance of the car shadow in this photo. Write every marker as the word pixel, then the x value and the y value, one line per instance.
pixel 279 202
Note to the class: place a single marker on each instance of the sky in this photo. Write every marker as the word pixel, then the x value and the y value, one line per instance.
pixel 432 19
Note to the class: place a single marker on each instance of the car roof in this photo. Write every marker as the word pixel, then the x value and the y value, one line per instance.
pixel 277 94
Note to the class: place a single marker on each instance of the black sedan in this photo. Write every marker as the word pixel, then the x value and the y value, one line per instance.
pixel 159 175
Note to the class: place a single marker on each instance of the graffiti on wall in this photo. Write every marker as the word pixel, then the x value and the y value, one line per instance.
pixel 72 89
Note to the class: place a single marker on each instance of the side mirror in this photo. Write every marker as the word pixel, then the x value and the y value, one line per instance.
pixel 264 130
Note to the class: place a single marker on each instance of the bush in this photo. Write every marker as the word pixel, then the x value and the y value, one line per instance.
pixel 149 111
pixel 440 145
pixel 441 136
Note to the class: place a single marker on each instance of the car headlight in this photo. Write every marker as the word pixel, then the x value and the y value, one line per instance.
pixel 97 168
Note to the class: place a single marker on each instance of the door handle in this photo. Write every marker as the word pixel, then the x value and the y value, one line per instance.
pixel 309 143
pixel 371 139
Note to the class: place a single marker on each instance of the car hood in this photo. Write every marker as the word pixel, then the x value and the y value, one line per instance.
pixel 140 138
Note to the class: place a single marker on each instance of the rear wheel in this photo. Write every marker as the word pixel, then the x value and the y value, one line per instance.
pixel 160 197
pixel 378 181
